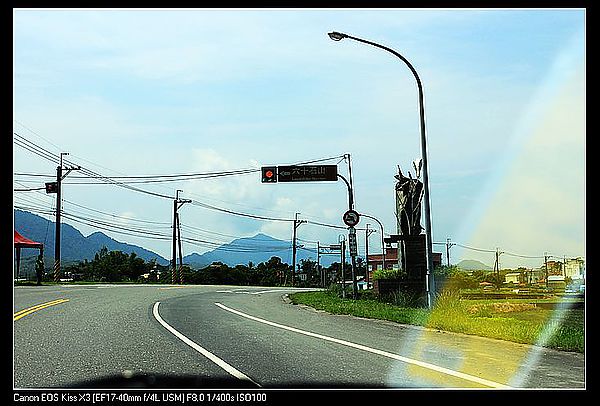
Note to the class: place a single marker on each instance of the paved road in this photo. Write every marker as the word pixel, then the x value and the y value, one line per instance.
pixel 123 336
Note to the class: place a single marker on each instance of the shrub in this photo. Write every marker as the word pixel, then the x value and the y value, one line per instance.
pixel 387 274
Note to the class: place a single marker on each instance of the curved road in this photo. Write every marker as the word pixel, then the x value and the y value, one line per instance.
pixel 120 336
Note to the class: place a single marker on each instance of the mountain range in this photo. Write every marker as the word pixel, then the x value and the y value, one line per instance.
pixel 77 247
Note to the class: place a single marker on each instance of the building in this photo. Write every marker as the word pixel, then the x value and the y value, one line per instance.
pixel 513 277
pixel 535 275
pixel 554 268
pixel 574 268
pixel 375 261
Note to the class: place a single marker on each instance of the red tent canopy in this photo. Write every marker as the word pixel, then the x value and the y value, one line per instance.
pixel 22 242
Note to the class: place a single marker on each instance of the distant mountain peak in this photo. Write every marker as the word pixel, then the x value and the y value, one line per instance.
pixel 473 265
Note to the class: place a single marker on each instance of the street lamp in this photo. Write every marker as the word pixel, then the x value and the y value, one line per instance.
pixel 382 236
pixel 430 287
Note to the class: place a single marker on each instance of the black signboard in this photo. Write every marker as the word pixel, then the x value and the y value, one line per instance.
pixel 51 187
pixel 307 173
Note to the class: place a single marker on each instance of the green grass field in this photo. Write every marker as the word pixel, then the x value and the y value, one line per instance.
pixel 517 320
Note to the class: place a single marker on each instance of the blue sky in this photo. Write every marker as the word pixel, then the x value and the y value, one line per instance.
pixel 171 91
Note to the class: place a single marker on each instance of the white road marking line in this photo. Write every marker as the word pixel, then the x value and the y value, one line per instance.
pixel 243 291
pixel 373 350
pixel 268 291
pixel 231 370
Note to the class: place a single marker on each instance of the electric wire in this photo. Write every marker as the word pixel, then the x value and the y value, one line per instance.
pixel 126 181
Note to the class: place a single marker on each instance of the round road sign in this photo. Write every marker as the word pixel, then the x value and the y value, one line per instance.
pixel 351 218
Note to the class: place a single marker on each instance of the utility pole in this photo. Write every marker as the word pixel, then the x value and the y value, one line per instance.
pixel 448 246
pixel 59 178
pixel 546 266
pixel 319 264
pixel 343 260
pixel 296 225
pixel 367 234
pixel 180 270
pixel 174 242
pixel 177 203
pixel 497 268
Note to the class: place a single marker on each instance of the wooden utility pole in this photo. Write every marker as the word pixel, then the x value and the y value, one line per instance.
pixel 180 251
pixel 59 178
pixel 319 264
pixel 296 225
pixel 177 203
pixel 343 259
pixel 546 267
pixel 448 246
pixel 497 268
pixel 367 234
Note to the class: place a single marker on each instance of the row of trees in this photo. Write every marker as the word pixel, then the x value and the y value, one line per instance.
pixel 116 266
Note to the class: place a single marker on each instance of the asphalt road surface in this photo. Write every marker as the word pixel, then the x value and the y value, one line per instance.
pixel 125 336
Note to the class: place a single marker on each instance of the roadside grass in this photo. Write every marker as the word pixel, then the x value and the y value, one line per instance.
pixel 511 320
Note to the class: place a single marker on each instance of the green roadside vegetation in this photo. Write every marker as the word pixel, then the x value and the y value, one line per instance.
pixel 553 322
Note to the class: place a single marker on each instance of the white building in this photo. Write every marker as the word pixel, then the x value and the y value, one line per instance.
pixel 574 268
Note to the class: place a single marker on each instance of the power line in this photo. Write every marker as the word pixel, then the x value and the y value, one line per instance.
pixel 254 216
pixel 157 178
pixel 112 180
pixel 474 249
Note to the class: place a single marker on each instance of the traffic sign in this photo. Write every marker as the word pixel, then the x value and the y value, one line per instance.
pixel 51 187
pixel 351 218
pixel 307 173
pixel 352 241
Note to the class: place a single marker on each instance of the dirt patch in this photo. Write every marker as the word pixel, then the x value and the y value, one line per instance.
pixel 502 307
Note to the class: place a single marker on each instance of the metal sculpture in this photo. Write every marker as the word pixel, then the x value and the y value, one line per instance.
pixel 409 195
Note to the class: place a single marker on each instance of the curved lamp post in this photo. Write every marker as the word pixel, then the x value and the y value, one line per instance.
pixel 382 237
pixel 338 36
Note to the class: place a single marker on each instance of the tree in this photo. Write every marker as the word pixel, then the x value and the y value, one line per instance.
pixel 272 272
pixel 112 266
pixel 309 267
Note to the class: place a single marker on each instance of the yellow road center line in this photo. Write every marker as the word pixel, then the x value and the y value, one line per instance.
pixel 29 310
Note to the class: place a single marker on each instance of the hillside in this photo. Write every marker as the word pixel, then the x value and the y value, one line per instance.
pixel 77 247
pixel 256 249
pixel 74 245
pixel 473 265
